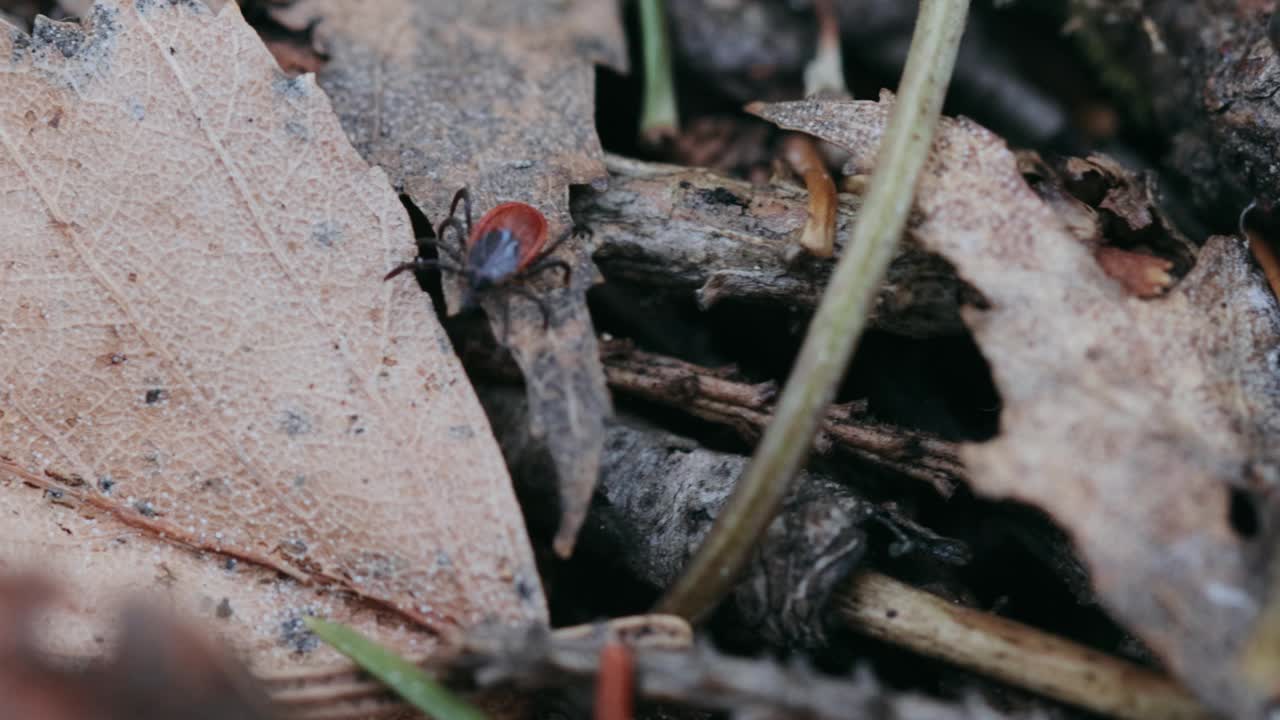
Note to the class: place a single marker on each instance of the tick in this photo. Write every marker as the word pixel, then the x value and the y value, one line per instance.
pixel 508 245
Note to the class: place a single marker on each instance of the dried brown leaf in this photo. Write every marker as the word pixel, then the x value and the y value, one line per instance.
pixel 497 96
pixel 1133 422
pixel 199 360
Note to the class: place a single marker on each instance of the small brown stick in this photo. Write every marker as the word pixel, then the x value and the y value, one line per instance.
pixel 1011 652
pixel 747 408
pixel 819 235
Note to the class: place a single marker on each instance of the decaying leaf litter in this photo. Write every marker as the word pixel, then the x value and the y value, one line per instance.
pixel 1206 410
pixel 204 388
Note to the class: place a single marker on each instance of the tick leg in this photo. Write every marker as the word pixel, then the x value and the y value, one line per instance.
pixel 506 323
pixel 538 303
pixel 551 264
pixel 582 230
pixel 421 264
pixel 464 196
pixel 452 252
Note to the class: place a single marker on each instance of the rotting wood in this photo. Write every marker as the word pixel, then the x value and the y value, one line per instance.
pixel 660 493
pixel 687 229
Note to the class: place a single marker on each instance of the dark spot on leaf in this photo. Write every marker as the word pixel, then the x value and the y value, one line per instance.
pixel 145 507
pixel 21 41
pixel 297 130
pixel 524 589
pixel 65 37
pixel 293 88
pixel 327 233
pixel 105 484
pixel 230 564
pixel 53 493
pixel 156 395
pixel 294 634
pixel 353 425
pixel 295 423
pixel 223 610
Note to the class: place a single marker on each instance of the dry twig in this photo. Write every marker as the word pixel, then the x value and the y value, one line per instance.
pixel 715 396
pixel 1012 652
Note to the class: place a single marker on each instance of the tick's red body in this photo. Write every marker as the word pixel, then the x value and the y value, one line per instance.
pixel 509 242
pixel 527 226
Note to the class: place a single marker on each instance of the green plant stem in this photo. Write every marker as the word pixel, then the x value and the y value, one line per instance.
pixel 658 120
pixel 839 320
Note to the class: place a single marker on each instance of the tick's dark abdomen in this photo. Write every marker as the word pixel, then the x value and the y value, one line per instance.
pixel 493 258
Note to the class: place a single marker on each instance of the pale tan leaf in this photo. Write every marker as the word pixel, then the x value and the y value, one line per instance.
pixel 199 360
pixel 1131 421
pixel 497 96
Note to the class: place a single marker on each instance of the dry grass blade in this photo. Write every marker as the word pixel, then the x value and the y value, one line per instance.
pixel 1014 653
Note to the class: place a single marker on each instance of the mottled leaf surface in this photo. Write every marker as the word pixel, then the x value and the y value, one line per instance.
pixel 497 96
pixel 199 361
pixel 1134 422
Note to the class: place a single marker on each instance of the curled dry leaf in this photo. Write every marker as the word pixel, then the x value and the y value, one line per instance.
pixel 199 361
pixel 1137 424
pixel 497 96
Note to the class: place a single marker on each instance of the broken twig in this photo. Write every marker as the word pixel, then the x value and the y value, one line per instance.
pixel 715 396
pixel 1011 652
